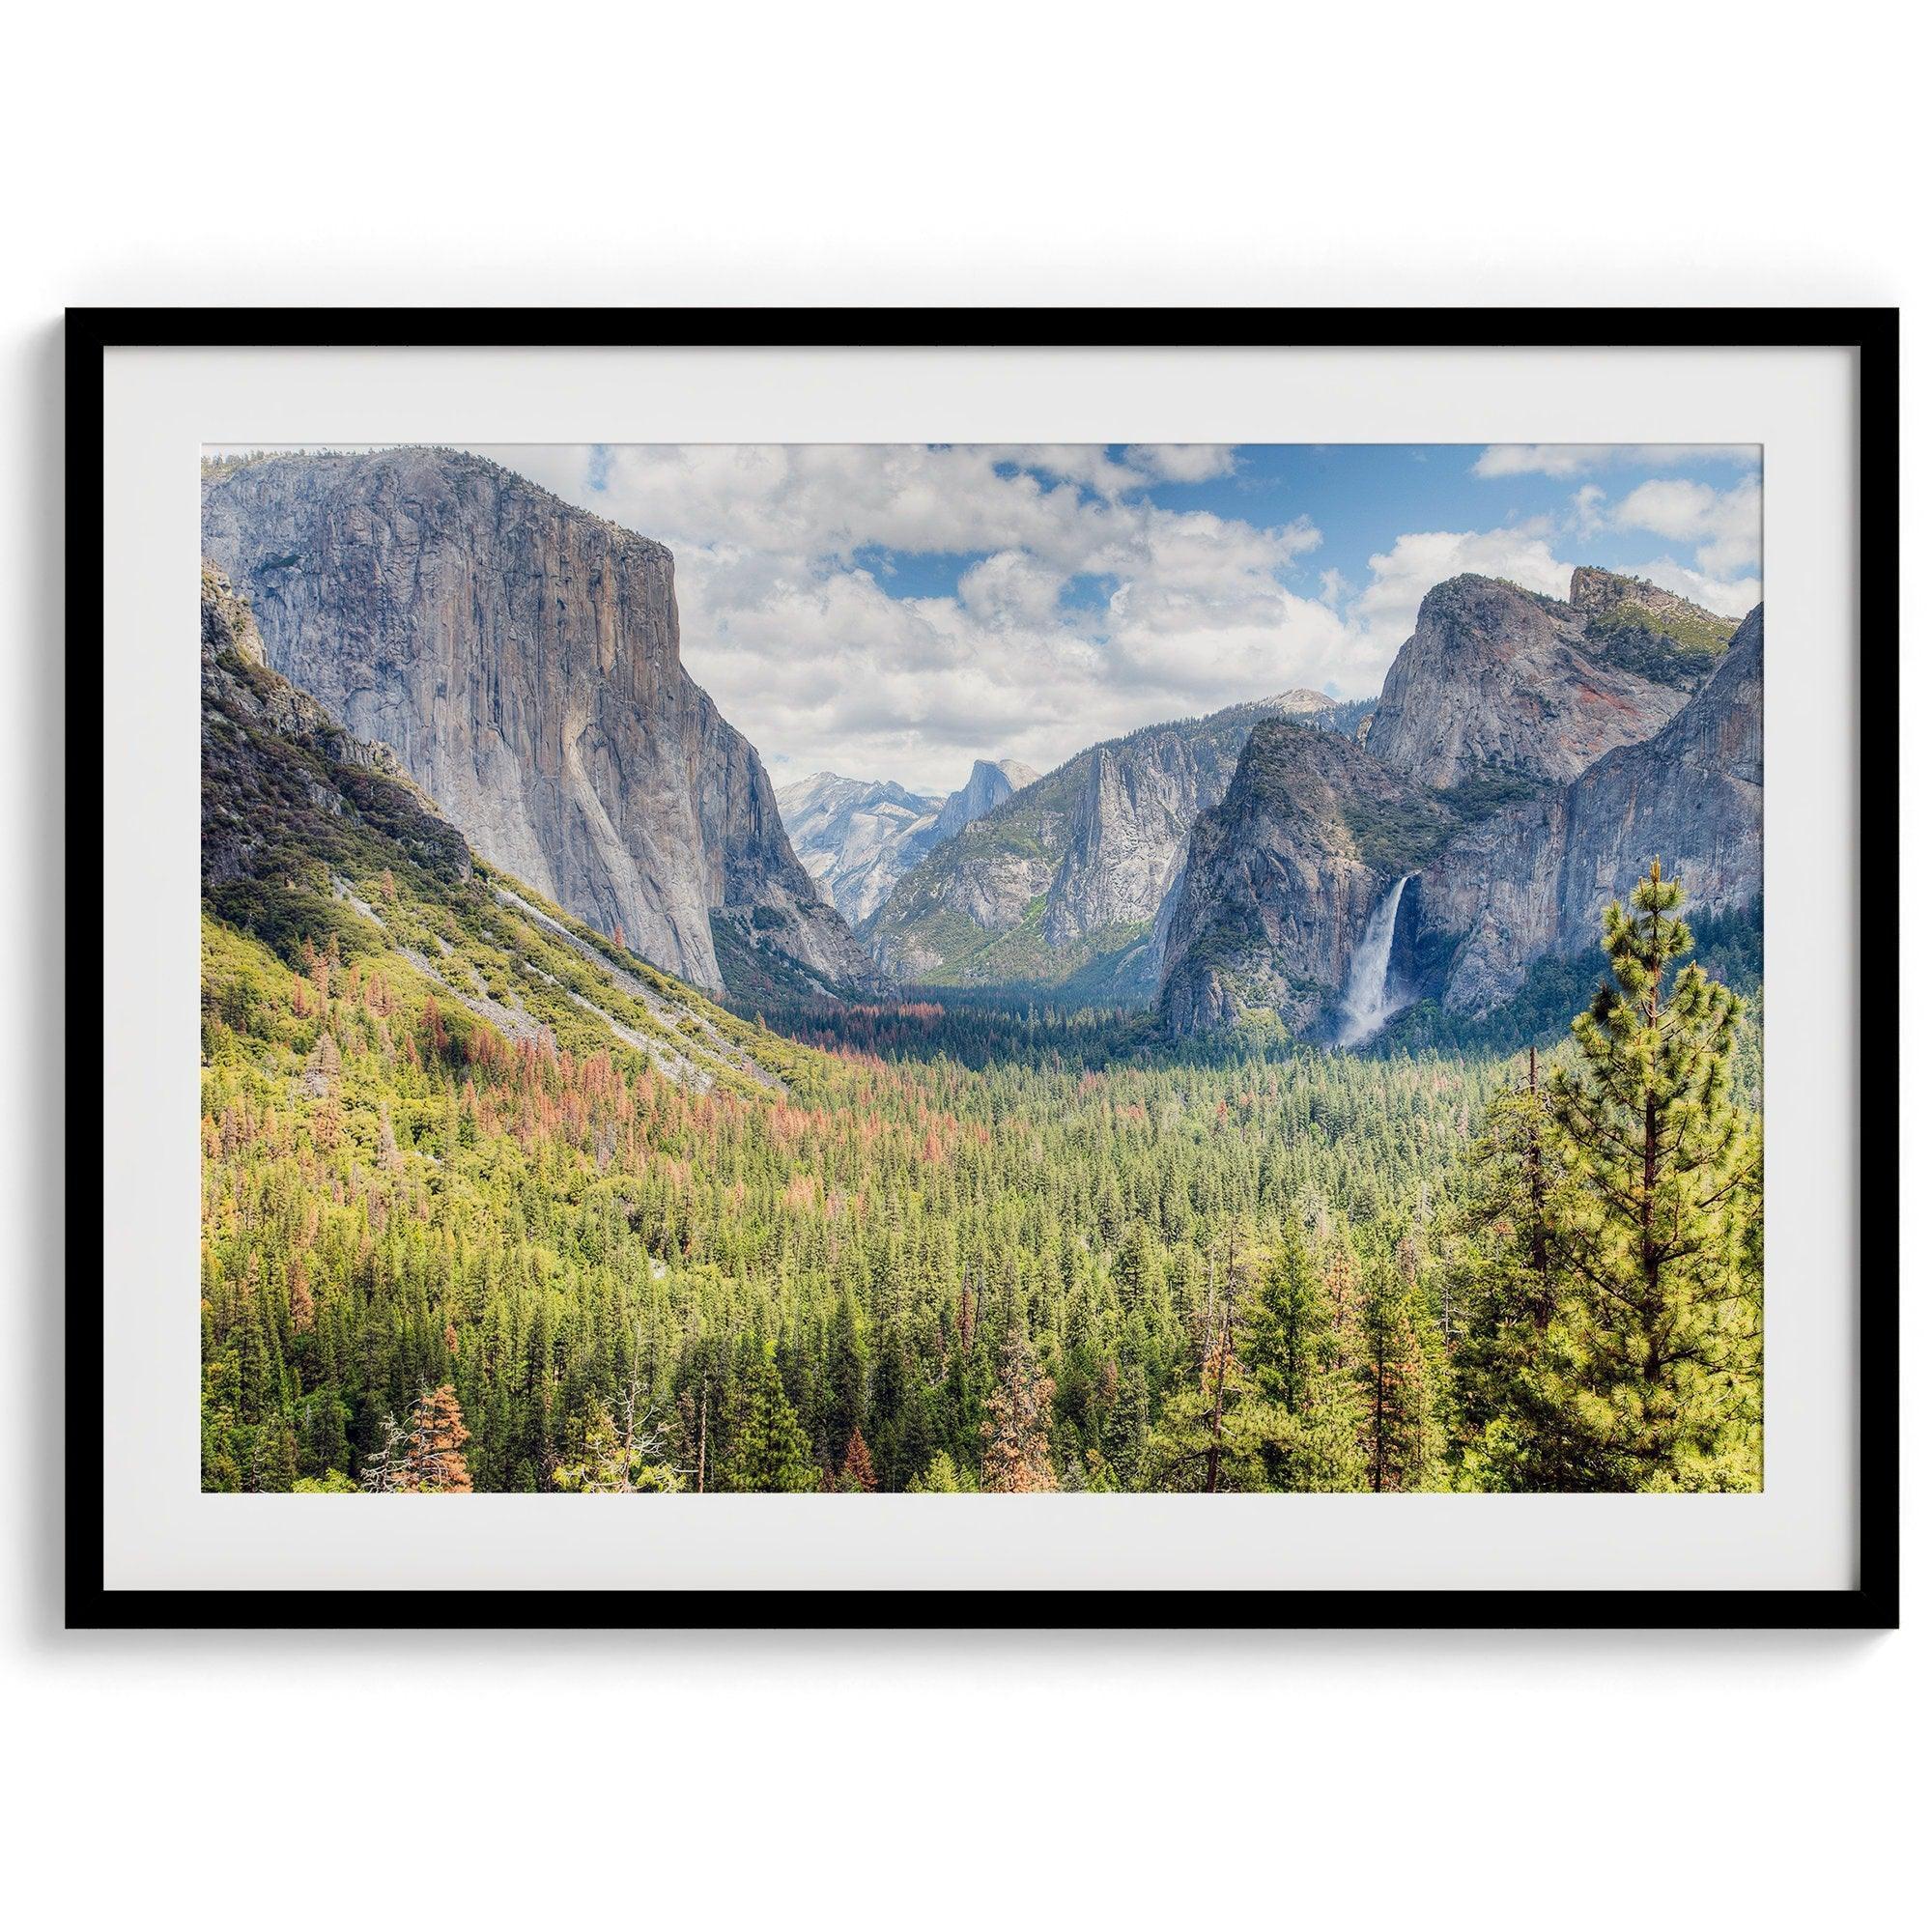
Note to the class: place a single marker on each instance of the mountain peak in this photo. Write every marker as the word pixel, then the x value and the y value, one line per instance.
pixel 1497 679
pixel 990 783
pixel 1593 590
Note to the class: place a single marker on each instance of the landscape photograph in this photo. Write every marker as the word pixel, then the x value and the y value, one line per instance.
pixel 860 970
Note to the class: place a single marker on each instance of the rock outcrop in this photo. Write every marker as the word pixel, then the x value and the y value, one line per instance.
pixel 1499 680
pixel 990 783
pixel 857 837
pixel 1533 879
pixel 1061 885
pixel 521 657
pixel 1511 857
pixel 282 783
pixel 1283 877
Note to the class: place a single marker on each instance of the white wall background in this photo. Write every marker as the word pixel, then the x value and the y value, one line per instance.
pixel 1027 154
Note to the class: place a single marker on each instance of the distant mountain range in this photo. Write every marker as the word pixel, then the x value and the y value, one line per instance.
pixel 857 836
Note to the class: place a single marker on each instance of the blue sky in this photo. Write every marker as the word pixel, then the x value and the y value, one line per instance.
pixel 896 611
pixel 1366 493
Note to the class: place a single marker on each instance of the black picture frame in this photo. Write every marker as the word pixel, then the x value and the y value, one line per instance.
pixel 1873 333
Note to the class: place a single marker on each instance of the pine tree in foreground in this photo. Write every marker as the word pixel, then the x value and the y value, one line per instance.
pixel 1296 1415
pixel 1400 1375
pixel 1197 1445
pixel 1667 1320
pixel 1616 1342
pixel 1516 1378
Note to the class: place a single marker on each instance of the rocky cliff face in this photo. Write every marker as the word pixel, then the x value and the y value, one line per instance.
pixel 989 784
pixel 274 762
pixel 1533 880
pixel 858 837
pixel 317 846
pixel 521 657
pixel 1282 879
pixel 1067 876
pixel 1497 679
pixel 1509 860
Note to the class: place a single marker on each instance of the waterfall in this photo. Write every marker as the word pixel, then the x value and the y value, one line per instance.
pixel 1365 999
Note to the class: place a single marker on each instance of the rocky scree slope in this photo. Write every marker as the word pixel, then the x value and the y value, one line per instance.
pixel 522 656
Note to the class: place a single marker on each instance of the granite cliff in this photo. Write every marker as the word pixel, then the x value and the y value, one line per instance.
pixel 1474 786
pixel 1284 875
pixel 270 753
pixel 316 845
pixel 1497 678
pixel 1063 884
pixel 1534 878
pixel 990 783
pixel 521 657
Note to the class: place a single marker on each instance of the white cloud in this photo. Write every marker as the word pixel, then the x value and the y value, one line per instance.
pixel 1085 463
pixel 1578 459
pixel 1183 462
pixel 1725 525
pixel 1009 589
pixel 1587 508
pixel 1384 614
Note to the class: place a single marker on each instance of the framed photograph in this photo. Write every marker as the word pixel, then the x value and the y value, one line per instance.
pixel 1184 968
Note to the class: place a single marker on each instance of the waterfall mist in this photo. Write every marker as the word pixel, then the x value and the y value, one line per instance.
pixel 1365 999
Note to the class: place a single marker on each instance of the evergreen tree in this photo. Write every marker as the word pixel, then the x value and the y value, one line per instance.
pixel 855 1471
pixel 769 1450
pixel 1400 1375
pixel 1294 1413
pixel 942 1477
pixel 1195 1446
pixel 1665 1322
pixel 845 1379
pixel 1516 1378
